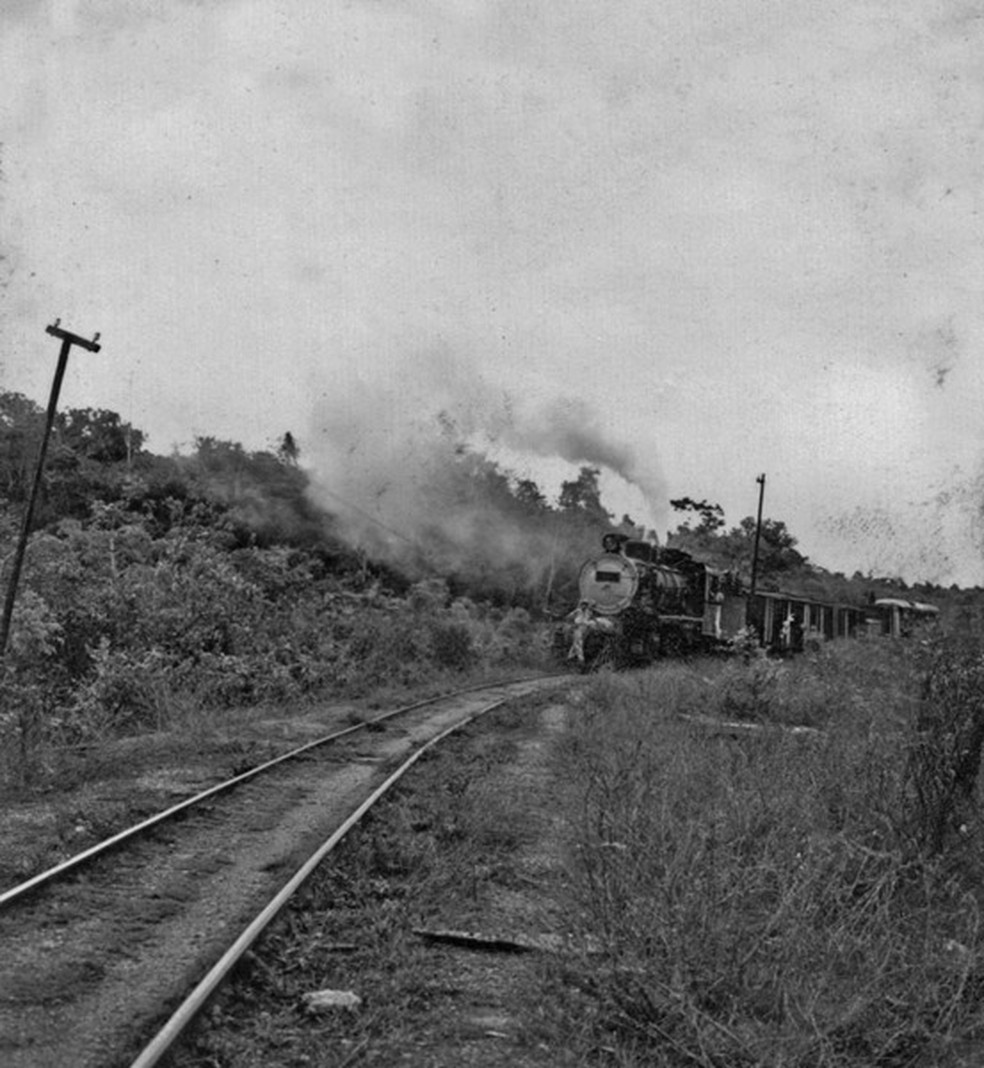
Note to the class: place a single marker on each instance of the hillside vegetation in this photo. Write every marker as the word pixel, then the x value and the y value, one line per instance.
pixel 158 586
pixel 155 586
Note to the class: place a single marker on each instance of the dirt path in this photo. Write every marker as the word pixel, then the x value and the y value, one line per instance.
pixel 80 981
pixel 473 843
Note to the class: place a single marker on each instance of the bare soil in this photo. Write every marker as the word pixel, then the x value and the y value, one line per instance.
pixel 474 842
pixel 87 793
pixel 80 982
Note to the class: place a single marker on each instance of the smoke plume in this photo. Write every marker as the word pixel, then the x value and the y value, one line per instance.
pixel 569 429
pixel 401 463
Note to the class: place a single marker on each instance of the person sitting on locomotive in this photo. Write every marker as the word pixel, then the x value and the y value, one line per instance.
pixel 612 543
pixel 585 619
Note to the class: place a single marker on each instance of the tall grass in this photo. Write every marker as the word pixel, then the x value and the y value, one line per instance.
pixel 765 897
pixel 308 644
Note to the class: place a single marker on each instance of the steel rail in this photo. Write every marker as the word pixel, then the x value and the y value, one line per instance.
pixel 58 870
pixel 164 1040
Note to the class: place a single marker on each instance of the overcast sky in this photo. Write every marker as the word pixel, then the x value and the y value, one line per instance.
pixel 723 238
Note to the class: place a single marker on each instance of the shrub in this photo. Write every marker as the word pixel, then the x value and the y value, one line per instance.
pixel 945 753
pixel 35 636
pixel 450 646
pixel 125 621
pixel 753 897
pixel 124 692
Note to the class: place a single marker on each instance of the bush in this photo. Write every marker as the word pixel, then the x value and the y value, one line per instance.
pixel 945 753
pixel 754 897
pixel 125 622
pixel 450 646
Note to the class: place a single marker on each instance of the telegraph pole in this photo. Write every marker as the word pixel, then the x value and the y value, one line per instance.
pixel 758 533
pixel 67 340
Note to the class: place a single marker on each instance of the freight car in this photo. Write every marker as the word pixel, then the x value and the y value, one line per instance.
pixel 638 602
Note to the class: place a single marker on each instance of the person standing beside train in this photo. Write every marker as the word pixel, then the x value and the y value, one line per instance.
pixel 586 621
pixel 715 597
pixel 582 617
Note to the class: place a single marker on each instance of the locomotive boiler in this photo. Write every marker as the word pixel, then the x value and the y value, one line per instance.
pixel 639 602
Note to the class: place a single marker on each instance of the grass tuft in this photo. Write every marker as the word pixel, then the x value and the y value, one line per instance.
pixel 761 899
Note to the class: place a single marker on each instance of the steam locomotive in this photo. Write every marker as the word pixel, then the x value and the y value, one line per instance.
pixel 639 602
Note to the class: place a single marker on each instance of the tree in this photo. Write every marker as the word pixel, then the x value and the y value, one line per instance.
pixel 581 497
pixel 777 548
pixel 528 495
pixel 733 550
pixel 85 462
pixel 98 434
pixel 288 451
pixel 703 541
pixel 711 515
pixel 21 429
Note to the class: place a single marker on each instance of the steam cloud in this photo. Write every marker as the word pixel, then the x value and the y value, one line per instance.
pixel 390 460
pixel 568 429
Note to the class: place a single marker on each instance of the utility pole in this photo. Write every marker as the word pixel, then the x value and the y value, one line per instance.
pixel 758 534
pixel 67 340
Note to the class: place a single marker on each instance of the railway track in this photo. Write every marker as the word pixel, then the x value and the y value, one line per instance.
pixel 104 944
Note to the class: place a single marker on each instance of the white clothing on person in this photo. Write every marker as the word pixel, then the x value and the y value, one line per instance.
pixel 585 620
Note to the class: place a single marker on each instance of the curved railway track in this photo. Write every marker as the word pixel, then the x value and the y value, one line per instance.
pixel 87 856
pixel 103 944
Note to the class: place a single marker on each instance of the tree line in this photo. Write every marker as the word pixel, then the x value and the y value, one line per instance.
pixel 111 512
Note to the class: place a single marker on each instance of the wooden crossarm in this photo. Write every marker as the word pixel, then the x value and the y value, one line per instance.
pixel 73 339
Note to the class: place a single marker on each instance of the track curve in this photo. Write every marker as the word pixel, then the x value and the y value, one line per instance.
pixel 71 864
pixel 96 957
pixel 186 1012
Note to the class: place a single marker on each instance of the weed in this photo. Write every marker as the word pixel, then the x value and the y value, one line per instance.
pixel 438 853
pixel 756 898
pixel 945 752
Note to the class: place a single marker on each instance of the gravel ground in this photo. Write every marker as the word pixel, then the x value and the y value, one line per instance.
pixel 80 988
pixel 473 842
